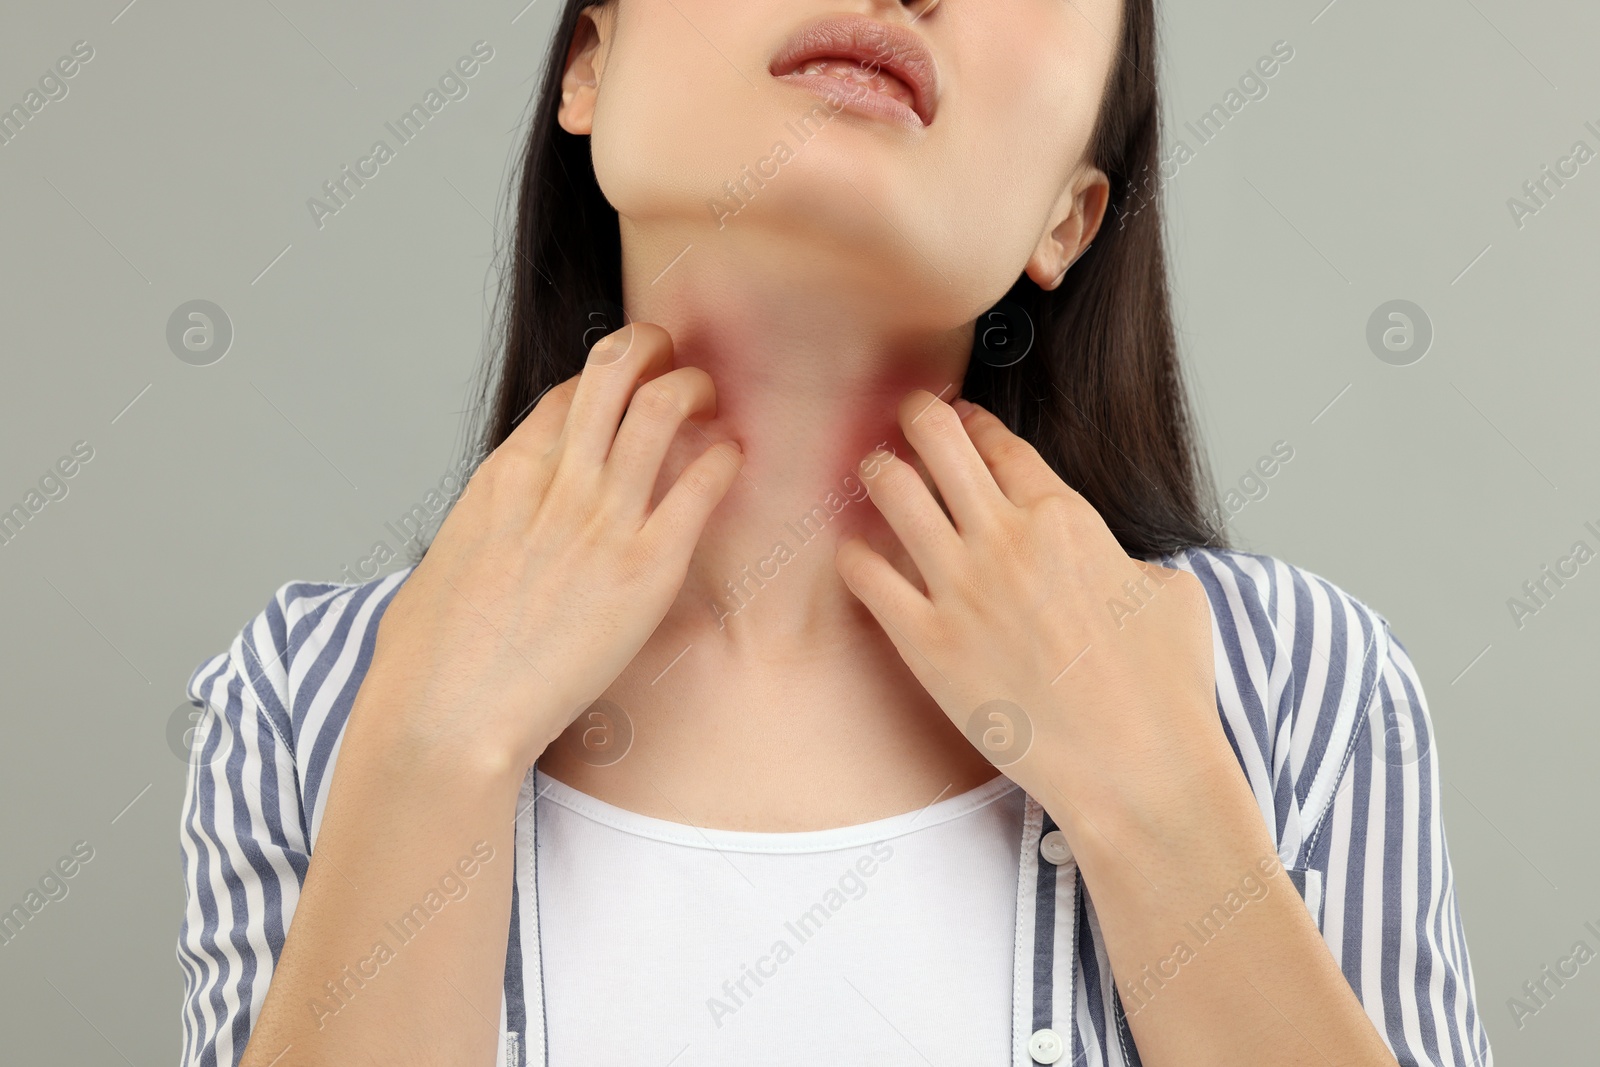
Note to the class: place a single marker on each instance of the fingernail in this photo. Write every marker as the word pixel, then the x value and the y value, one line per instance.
pixel 962 407
pixel 611 348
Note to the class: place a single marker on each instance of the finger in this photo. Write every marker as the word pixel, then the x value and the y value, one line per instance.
pixel 616 366
pixel 517 472
pixel 935 431
pixel 908 506
pixel 878 585
pixel 677 522
pixel 1018 469
pixel 657 409
pixel 537 429
pixel 898 605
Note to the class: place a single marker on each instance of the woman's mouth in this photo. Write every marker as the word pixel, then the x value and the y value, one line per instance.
pixel 856 78
pixel 873 67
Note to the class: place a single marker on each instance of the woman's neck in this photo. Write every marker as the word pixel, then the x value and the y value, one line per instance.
pixel 768 682
pixel 809 368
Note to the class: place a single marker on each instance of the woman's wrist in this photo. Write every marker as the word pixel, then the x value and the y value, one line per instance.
pixel 1199 814
pixel 421 746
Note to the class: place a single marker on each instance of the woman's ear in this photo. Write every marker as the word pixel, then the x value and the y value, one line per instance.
pixel 580 83
pixel 1073 224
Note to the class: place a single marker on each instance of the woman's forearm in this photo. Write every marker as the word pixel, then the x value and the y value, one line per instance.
pixel 543 583
pixel 396 951
pixel 1217 959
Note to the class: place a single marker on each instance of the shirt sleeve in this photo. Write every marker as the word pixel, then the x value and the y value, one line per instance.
pixel 243 842
pixel 1389 910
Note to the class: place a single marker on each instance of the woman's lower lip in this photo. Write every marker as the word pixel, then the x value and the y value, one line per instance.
pixel 857 97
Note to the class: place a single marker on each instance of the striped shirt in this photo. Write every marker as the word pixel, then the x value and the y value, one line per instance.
pixel 1319 700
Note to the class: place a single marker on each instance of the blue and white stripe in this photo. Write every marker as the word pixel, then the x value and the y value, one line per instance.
pixel 1321 703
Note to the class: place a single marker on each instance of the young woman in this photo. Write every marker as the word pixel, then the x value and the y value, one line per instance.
pixel 762 701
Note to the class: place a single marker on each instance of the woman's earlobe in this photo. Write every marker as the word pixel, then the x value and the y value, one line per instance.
pixel 576 114
pixel 1049 263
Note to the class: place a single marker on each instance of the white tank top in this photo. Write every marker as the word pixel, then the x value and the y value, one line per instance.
pixel 887 942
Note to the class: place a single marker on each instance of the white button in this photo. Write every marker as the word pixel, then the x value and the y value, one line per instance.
pixel 1053 847
pixel 1045 1046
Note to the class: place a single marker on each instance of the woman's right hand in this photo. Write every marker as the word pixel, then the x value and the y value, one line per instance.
pixel 552 569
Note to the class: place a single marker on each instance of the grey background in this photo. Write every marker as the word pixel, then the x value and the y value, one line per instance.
pixel 1378 167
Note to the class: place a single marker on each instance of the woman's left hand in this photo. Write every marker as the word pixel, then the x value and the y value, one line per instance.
pixel 1087 676
pixel 1084 674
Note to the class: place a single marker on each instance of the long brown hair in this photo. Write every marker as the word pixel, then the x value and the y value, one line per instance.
pixel 1088 373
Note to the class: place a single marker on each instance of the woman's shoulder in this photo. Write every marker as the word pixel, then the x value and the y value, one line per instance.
pixel 1299 660
pixel 1239 580
pixel 299 660
pixel 1269 609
